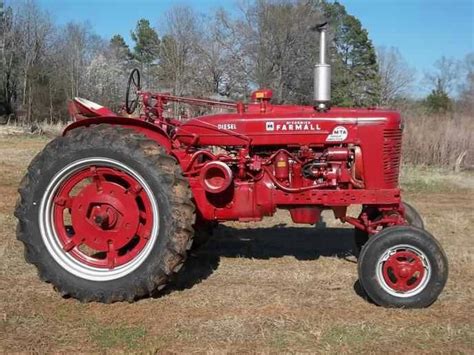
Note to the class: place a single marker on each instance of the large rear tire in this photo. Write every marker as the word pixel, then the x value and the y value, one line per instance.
pixel 403 267
pixel 105 215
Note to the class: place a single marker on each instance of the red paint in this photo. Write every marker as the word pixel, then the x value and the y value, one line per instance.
pixel 403 271
pixel 307 215
pixel 279 156
pixel 104 211
pixel 216 177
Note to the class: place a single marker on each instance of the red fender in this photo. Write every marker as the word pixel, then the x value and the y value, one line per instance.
pixel 146 128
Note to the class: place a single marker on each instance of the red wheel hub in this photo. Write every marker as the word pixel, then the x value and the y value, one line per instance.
pixel 102 216
pixel 403 271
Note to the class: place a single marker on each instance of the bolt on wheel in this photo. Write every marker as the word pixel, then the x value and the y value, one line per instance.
pixel 403 266
pixel 99 218
pixel 403 270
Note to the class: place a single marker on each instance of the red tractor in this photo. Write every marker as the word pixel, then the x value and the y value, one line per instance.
pixel 108 211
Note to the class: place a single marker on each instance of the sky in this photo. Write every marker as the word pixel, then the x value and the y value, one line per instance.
pixel 423 30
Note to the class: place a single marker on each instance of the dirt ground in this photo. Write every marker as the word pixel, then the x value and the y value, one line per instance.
pixel 266 287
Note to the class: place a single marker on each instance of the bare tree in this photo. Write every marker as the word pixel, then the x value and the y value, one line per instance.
pixel 219 67
pixel 106 79
pixel 2 50
pixel 236 67
pixel 396 76
pixel 73 46
pixel 8 38
pixel 33 28
pixel 178 50
pixel 275 40
pixel 466 87
pixel 445 75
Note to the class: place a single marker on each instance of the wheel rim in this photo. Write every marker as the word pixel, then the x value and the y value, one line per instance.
pixel 99 219
pixel 403 271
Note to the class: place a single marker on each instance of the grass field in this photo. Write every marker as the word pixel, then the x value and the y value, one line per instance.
pixel 253 287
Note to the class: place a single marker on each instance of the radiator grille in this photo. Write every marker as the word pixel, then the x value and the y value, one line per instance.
pixel 392 148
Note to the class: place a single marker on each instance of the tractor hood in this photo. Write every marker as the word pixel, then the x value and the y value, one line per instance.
pixel 285 126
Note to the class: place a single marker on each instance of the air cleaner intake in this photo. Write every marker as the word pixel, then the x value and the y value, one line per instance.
pixel 216 177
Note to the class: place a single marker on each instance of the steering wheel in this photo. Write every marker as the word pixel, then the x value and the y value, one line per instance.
pixel 133 88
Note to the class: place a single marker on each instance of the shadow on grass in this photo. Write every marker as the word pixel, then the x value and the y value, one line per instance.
pixel 262 243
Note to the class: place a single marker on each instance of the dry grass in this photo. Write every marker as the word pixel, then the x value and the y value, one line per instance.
pixel 39 129
pixel 439 140
pixel 257 287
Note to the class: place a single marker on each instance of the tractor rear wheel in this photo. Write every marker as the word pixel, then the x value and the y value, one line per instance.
pixel 403 267
pixel 105 215
pixel 412 217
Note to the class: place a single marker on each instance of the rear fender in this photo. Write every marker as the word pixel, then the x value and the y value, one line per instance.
pixel 151 131
pixel 80 109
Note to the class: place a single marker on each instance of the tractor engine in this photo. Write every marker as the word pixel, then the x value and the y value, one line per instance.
pixel 246 186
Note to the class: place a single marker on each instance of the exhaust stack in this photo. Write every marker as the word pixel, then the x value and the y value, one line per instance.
pixel 322 73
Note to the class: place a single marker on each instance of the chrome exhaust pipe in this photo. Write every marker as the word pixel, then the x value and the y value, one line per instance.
pixel 322 73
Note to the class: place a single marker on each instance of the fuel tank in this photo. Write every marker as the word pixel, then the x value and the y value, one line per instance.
pixel 288 126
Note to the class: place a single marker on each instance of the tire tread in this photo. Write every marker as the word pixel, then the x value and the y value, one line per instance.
pixel 169 174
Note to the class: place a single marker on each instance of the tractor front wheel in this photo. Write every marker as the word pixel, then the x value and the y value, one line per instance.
pixel 105 215
pixel 404 267
pixel 412 217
